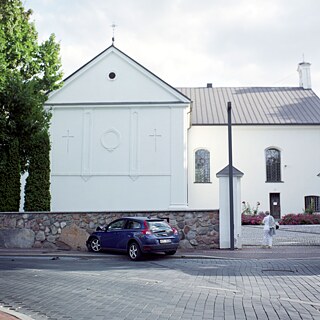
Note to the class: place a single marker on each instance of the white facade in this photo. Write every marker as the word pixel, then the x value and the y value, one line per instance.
pixel 118 144
pixel 300 158
pixel 121 140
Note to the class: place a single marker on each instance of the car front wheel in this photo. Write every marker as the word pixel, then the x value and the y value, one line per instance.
pixel 134 251
pixel 94 245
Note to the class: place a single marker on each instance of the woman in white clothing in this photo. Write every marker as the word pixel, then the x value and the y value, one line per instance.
pixel 268 230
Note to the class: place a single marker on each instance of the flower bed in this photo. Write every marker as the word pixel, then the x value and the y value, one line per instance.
pixel 301 218
pixel 255 219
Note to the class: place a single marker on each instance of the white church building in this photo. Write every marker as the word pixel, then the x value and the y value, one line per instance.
pixel 125 140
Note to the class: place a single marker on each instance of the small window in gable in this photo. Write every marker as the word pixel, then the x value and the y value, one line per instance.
pixel 273 165
pixel 202 166
pixel 312 204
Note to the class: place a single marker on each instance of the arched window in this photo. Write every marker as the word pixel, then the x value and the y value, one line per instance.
pixel 202 166
pixel 273 165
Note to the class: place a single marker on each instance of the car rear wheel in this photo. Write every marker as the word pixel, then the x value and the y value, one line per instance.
pixel 95 245
pixel 134 251
pixel 170 253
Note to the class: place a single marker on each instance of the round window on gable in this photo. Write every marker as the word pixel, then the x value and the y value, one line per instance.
pixel 112 75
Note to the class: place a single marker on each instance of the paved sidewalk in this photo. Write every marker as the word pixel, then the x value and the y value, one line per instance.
pixel 287 235
pixel 161 288
pixel 247 252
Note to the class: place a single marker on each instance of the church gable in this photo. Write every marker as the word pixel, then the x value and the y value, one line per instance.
pixel 112 78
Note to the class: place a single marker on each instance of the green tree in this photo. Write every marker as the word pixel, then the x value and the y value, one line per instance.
pixel 28 70
pixel 9 176
pixel 37 191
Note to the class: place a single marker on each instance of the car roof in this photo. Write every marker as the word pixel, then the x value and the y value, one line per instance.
pixel 144 218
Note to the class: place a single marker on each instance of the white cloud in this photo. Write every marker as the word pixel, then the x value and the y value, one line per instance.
pixel 190 43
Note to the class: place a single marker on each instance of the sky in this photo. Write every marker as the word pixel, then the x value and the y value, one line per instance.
pixel 189 43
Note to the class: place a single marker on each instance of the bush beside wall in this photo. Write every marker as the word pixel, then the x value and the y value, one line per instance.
pixel 9 176
pixel 301 218
pixel 37 189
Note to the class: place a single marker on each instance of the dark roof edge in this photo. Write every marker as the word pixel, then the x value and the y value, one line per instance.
pixel 117 103
pixel 225 172
pixel 246 87
pixel 140 65
pixel 83 66
pixel 167 84
pixel 255 124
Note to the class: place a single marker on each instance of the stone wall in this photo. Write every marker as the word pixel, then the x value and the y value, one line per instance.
pixel 197 229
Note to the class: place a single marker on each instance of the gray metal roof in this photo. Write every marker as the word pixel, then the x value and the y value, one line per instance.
pixel 225 172
pixel 254 106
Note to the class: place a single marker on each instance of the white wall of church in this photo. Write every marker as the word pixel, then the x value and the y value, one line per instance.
pixel 118 158
pixel 118 143
pixel 300 159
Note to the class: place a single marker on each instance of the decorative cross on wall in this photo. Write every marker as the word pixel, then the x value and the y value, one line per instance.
pixel 155 136
pixel 68 136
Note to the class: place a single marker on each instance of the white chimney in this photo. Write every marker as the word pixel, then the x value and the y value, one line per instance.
pixel 304 75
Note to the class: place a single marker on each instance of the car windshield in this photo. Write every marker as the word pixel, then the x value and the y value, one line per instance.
pixel 158 225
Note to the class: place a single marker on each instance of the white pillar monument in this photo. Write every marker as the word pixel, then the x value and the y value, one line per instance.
pixel 224 211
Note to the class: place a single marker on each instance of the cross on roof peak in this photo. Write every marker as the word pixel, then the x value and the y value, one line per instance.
pixel 113 26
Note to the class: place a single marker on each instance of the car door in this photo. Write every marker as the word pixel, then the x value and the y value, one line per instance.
pixel 131 227
pixel 112 235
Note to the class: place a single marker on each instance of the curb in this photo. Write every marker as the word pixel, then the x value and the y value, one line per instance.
pixel 247 252
pixel 57 255
pixel 8 314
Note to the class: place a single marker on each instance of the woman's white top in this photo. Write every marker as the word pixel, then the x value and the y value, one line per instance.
pixel 268 222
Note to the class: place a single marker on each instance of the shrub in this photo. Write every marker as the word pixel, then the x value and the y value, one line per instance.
pixel 9 176
pixel 37 189
pixel 301 218
pixel 252 219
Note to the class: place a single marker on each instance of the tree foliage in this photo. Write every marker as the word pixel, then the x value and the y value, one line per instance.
pixel 37 191
pixel 9 176
pixel 21 53
pixel 28 70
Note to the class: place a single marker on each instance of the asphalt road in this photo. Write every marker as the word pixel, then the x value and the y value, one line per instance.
pixel 160 288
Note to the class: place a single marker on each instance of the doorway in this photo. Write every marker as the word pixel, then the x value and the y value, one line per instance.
pixel 275 205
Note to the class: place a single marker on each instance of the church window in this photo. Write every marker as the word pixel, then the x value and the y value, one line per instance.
pixel 112 75
pixel 312 204
pixel 273 165
pixel 202 166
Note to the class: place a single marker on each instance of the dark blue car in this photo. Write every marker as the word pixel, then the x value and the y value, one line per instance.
pixel 135 236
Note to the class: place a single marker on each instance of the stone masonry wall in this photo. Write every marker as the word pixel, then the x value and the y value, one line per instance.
pixel 197 229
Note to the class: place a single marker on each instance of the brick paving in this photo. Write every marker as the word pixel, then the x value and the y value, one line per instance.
pixel 160 288
pixel 252 283
pixel 300 235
